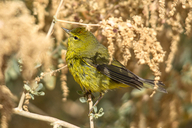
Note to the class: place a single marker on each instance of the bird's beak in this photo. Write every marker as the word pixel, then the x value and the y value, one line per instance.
pixel 66 30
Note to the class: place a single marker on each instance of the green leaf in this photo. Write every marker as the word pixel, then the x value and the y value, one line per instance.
pixel 95 109
pixel 100 110
pixel 12 72
pixel 80 92
pixel 39 87
pixel 91 114
pixel 32 96
pixel 41 93
pixel 97 115
pixel 83 99
pixel 26 87
pixel 101 114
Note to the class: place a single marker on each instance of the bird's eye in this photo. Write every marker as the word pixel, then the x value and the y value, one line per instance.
pixel 76 38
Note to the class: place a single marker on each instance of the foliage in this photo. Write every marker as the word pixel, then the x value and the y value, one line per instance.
pixel 149 37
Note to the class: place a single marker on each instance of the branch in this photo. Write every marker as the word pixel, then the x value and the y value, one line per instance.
pixel 1 106
pixel 70 22
pixel 57 70
pixel 21 101
pixel 53 120
pixel 53 21
pixel 90 107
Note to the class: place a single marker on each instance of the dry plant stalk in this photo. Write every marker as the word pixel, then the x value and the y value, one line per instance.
pixel 26 102
pixel 162 9
pixel 133 34
pixel 39 10
pixel 20 38
pixel 91 121
pixel 7 105
pixel 63 77
pixel 188 20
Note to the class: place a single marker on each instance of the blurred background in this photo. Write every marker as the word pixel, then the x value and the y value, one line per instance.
pixel 25 55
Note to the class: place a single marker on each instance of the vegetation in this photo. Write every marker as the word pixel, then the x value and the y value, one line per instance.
pixel 153 39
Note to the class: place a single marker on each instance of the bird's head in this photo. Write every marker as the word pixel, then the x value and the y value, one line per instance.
pixel 81 40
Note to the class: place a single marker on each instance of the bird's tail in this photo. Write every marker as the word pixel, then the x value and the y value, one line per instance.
pixel 150 84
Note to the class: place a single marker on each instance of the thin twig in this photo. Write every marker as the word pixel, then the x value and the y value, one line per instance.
pixel 43 118
pixel 4 121
pixel 57 70
pixel 53 21
pixel 155 88
pixel 49 73
pixel 1 106
pixel 70 22
pixel 21 101
pixel 153 93
pixel 90 107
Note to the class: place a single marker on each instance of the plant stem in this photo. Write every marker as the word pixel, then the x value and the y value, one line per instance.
pixel 43 118
pixel 90 107
pixel 21 101
pixel 70 22
pixel 1 106
pixel 54 21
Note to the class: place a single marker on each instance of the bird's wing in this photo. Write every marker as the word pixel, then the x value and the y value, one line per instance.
pixel 120 74
pixel 115 71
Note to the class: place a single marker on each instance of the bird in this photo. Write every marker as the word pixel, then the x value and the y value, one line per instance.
pixel 89 63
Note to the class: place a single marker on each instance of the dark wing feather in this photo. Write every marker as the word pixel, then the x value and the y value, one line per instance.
pixel 116 71
pixel 121 75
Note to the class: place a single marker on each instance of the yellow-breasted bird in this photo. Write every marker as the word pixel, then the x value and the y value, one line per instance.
pixel 88 62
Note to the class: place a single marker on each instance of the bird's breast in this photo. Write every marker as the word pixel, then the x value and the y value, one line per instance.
pixel 87 76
